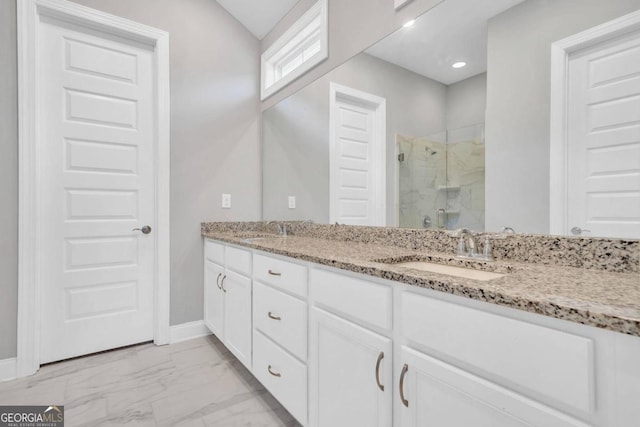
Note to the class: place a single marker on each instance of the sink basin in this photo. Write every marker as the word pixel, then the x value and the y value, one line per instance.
pixel 449 270
pixel 255 239
pixel 259 238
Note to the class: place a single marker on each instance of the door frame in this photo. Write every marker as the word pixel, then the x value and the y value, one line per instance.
pixel 29 204
pixel 336 92
pixel 559 156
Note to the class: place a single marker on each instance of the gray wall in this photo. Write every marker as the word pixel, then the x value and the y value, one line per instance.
pixel 354 25
pixel 517 125
pixel 466 102
pixel 296 134
pixel 215 138
pixel 8 180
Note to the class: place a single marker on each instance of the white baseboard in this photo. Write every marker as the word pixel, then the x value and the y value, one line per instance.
pixel 177 333
pixel 188 331
pixel 8 369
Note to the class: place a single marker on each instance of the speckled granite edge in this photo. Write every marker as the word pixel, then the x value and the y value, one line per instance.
pixel 539 297
pixel 613 255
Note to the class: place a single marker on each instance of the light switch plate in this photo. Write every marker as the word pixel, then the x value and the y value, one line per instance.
pixel 226 201
pixel 292 202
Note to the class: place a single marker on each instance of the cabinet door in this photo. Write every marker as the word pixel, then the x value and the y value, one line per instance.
pixel 237 316
pixel 213 297
pixel 433 393
pixel 350 374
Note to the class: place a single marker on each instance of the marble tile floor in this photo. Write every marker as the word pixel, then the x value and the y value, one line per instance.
pixel 193 383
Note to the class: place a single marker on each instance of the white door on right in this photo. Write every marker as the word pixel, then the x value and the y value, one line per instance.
pixel 604 139
pixel 357 159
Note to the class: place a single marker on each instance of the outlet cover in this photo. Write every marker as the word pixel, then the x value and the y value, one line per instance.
pixel 226 201
pixel 292 202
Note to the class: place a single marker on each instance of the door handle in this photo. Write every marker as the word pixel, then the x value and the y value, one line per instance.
pixel 380 357
pixel 274 317
pixel 222 283
pixel 145 229
pixel 576 231
pixel 404 401
pixel 218 281
pixel 275 374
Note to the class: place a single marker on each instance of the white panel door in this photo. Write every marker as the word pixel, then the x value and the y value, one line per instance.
pixel 357 173
pixel 350 374
pixel 604 139
pixel 96 186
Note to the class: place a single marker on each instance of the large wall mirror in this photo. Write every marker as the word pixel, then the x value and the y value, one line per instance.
pixel 448 123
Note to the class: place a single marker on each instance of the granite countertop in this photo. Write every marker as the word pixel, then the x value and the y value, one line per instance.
pixel 597 298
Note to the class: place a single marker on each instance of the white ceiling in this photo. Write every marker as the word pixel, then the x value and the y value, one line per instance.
pixel 454 30
pixel 258 16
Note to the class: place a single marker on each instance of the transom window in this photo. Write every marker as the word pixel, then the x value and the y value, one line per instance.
pixel 299 49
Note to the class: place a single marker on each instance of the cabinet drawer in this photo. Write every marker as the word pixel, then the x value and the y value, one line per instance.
pixel 214 252
pixel 282 375
pixel 547 364
pixel 238 260
pixel 281 274
pixel 282 318
pixel 363 300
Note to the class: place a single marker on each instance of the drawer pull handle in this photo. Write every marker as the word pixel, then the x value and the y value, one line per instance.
pixel 274 317
pixel 218 281
pixel 404 401
pixel 380 357
pixel 222 283
pixel 274 273
pixel 275 374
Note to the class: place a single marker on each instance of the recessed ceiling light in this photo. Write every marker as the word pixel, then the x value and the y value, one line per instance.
pixel 459 64
pixel 409 23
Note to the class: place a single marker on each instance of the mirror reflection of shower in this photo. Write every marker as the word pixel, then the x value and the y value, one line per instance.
pixel 441 179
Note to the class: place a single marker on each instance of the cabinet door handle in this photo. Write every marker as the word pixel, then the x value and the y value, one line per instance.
pixel 404 401
pixel 218 281
pixel 275 374
pixel 274 273
pixel 380 357
pixel 274 317
pixel 222 283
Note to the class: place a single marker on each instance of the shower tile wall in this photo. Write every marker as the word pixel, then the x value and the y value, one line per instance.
pixel 465 177
pixel 442 171
pixel 422 178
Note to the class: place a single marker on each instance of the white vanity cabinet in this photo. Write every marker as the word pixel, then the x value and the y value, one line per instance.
pixel 227 297
pixel 439 394
pixel 338 348
pixel 502 371
pixel 280 331
pixel 350 358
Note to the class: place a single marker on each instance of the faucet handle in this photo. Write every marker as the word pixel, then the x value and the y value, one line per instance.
pixel 460 232
pixel 487 249
pixel 461 249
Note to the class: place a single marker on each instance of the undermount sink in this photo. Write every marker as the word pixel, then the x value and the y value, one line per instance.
pixel 260 237
pixel 449 270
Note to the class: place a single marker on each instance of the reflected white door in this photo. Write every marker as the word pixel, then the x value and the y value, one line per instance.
pixel 604 139
pixel 96 186
pixel 357 157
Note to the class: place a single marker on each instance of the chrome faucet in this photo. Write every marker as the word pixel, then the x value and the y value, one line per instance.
pixel 282 228
pixel 467 247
